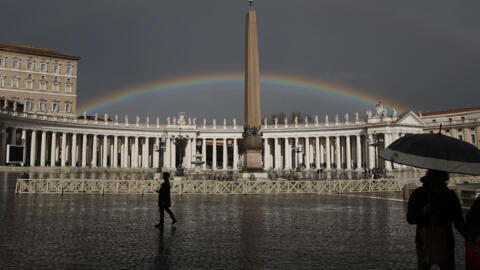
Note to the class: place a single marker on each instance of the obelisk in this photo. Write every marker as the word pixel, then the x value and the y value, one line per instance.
pixel 252 133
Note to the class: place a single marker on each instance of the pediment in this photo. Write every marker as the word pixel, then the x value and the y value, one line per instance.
pixel 410 118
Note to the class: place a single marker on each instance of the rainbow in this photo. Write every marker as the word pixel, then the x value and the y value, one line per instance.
pixel 276 80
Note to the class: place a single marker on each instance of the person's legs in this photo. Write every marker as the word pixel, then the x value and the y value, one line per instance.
pixel 450 265
pixel 162 213
pixel 171 214
pixel 420 264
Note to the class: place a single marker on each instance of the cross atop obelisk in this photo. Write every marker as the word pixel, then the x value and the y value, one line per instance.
pixel 252 128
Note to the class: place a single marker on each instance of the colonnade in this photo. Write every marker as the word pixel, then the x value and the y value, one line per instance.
pixel 75 149
pixel 347 152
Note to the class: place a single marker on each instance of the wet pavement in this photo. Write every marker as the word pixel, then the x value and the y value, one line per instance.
pixel 287 231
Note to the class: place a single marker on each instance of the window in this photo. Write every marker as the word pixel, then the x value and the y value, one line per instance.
pixel 43 105
pixel 2 81
pixel 43 85
pixel 450 119
pixel 460 137
pixel 474 139
pixel 68 107
pixel 56 68
pixel 44 67
pixel 28 105
pixel 434 121
pixel 56 86
pixel 68 88
pixel 55 106
pixel 15 82
pixel 30 65
pixel 16 63
pixel 69 70
pixel 2 61
pixel 29 84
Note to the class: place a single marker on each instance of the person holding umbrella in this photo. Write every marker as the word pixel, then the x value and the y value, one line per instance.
pixel 164 202
pixel 433 207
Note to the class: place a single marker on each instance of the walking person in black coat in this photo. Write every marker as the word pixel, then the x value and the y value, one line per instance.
pixel 164 203
pixel 433 208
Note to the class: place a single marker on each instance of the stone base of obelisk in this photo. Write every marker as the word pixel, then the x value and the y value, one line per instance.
pixel 253 165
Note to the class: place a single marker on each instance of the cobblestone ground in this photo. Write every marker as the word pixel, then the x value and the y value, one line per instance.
pixel 214 232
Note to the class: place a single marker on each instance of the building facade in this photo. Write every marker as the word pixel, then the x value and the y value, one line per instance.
pixel 61 141
pixel 43 80
pixel 463 124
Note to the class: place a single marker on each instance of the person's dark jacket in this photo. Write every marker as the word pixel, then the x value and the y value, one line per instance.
pixel 164 194
pixel 445 210
pixel 473 220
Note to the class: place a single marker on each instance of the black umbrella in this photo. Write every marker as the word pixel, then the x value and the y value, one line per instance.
pixel 434 151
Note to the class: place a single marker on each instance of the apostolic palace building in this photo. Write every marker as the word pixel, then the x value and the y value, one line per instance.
pixel 38 111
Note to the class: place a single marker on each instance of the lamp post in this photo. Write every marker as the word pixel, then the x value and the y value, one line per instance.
pixel 298 150
pixel 161 148
pixel 375 142
pixel 180 141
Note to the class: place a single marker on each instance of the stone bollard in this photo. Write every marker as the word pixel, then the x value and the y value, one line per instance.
pixel 406 192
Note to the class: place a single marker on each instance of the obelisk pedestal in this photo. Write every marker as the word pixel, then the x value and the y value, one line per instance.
pixel 252 133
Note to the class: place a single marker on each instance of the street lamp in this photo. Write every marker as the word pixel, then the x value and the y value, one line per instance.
pixel 298 150
pixel 161 148
pixel 375 142
pixel 181 142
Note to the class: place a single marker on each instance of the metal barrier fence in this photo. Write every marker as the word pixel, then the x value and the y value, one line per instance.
pixel 102 186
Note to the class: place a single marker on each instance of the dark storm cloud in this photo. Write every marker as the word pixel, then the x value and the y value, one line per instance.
pixel 424 54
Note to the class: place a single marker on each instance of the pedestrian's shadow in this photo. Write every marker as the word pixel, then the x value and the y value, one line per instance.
pixel 163 260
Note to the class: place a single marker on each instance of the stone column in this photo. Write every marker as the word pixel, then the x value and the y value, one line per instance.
pixel 167 155
pixel 105 151
pixel 225 153
pixel 33 148
pixel 359 152
pixel 286 146
pixel 322 153
pixel 173 158
pixel 24 143
pixel 53 148
pixel 156 153
pixel 371 153
pixel 64 150
pixel 146 160
pixel 297 155
pixel 43 147
pixel 349 153
pixel 204 153
pixel 214 154
pixel 115 152
pixel 328 155
pixel 94 151
pixel 74 150
pixel 84 150
pixel 307 153
pixel 317 152
pixel 235 154
pixel 135 153
pixel 277 153
pixel 388 164
pixel 3 145
pixel 13 137
pixel 187 151
pixel 266 153
pixel 337 152
pixel 124 150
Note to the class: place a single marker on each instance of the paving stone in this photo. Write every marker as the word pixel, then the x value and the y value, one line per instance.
pixel 288 231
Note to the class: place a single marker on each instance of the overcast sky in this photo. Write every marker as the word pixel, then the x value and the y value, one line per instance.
pixel 424 54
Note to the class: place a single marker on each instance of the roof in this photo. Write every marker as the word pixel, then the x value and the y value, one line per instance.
pixel 35 50
pixel 451 111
